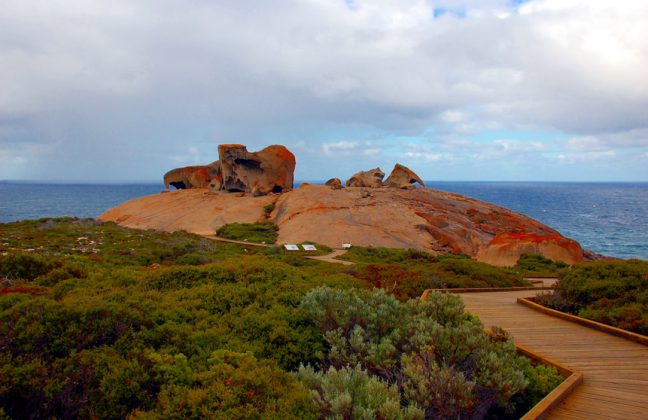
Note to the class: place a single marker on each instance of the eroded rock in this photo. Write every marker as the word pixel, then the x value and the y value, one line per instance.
pixel 335 183
pixel 402 177
pixel 259 173
pixel 198 176
pixel 237 170
pixel 371 179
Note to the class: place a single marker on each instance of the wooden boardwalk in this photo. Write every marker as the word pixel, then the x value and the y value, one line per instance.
pixel 615 370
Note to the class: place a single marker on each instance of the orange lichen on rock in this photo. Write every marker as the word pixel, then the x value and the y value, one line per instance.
pixel 198 176
pixel 506 248
pixel 237 170
pixel 259 173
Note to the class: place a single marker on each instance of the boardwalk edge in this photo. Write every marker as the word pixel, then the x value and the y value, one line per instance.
pixel 531 303
pixel 572 380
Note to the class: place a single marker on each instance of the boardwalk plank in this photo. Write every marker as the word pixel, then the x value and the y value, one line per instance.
pixel 615 370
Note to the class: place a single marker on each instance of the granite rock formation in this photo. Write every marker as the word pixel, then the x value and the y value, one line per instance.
pixel 192 176
pixel 435 221
pixel 371 179
pixel 237 170
pixel 335 183
pixel 402 177
pixel 506 248
pixel 258 173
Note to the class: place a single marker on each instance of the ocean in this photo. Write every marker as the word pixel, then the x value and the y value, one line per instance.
pixel 608 218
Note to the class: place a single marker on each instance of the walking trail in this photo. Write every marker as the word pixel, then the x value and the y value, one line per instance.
pixel 615 370
pixel 331 257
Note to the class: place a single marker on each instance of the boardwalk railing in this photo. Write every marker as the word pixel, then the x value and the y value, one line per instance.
pixel 558 395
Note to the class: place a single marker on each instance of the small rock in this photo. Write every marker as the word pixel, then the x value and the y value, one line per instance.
pixel 335 183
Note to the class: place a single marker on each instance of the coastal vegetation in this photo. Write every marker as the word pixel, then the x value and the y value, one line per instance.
pixel 102 321
pixel 262 232
pixel 608 291
pixel 406 273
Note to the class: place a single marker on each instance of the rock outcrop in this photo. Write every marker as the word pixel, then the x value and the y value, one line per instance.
pixel 193 210
pixel 258 173
pixel 237 170
pixel 192 176
pixel 402 177
pixel 435 221
pixel 371 179
pixel 335 183
pixel 506 248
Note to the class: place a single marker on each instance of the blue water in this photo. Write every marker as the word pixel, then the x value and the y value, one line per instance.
pixel 608 218
pixel 21 200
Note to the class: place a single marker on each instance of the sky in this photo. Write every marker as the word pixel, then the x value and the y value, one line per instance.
pixel 484 90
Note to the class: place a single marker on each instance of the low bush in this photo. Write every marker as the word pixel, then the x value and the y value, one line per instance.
pixel 386 255
pixel 612 292
pixel 108 322
pixel 436 357
pixel 24 265
pixel 534 264
pixel 262 232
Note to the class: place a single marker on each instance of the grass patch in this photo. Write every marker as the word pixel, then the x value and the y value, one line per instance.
pixel 386 255
pixel 262 232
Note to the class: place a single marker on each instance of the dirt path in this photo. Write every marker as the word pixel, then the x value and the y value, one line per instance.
pixel 615 370
pixel 331 258
pixel 233 241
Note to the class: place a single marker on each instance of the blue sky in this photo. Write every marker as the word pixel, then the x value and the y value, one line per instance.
pixel 544 90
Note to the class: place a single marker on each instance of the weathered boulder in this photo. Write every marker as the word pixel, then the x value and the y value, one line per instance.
pixel 192 176
pixel 506 248
pixel 237 170
pixel 335 183
pixel 259 173
pixel 402 177
pixel 371 178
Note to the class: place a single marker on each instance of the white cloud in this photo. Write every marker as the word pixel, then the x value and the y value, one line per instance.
pixel 343 146
pixel 106 80
pixel 426 156
pixel 586 144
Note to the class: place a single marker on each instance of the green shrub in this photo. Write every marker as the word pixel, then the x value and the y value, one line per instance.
pixel 386 255
pixel 478 274
pixel 539 265
pixel 268 208
pixel 432 343
pixel 612 292
pixel 252 232
pixel 24 265
pixel 234 386
pixel 111 335
pixel 196 258
pixel 351 393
